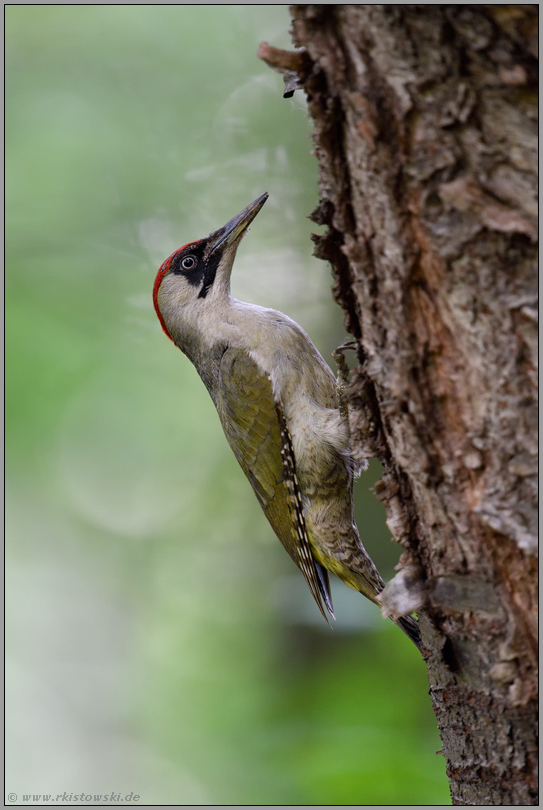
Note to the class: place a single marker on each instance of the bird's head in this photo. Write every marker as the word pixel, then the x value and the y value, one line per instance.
pixel 198 273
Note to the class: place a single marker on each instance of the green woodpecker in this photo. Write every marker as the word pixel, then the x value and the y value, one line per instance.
pixel 280 409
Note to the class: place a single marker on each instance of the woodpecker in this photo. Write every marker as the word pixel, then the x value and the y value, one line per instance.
pixel 280 407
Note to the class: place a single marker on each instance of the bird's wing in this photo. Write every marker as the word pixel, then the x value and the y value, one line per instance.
pixel 256 428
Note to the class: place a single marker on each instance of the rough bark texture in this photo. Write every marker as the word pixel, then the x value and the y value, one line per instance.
pixel 426 137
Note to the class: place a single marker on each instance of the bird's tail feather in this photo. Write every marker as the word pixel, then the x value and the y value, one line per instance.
pixel 324 586
pixel 410 628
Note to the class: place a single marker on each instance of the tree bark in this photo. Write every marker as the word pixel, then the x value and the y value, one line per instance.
pixel 426 137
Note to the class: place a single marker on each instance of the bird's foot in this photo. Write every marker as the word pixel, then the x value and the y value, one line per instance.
pixel 343 376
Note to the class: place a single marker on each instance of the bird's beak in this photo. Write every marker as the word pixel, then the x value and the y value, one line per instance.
pixel 234 230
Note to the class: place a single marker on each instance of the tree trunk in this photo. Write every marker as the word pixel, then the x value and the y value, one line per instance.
pixel 426 136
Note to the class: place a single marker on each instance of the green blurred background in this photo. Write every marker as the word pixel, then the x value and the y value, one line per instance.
pixel 159 639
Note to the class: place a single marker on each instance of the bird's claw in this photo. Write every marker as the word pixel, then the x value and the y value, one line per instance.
pixel 343 376
pixel 339 357
pixel 349 344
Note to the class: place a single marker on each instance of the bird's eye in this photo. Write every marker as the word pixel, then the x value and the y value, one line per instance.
pixel 188 263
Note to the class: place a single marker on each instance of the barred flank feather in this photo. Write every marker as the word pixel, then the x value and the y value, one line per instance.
pixel 316 579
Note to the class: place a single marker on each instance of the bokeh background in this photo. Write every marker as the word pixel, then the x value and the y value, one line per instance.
pixel 159 639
